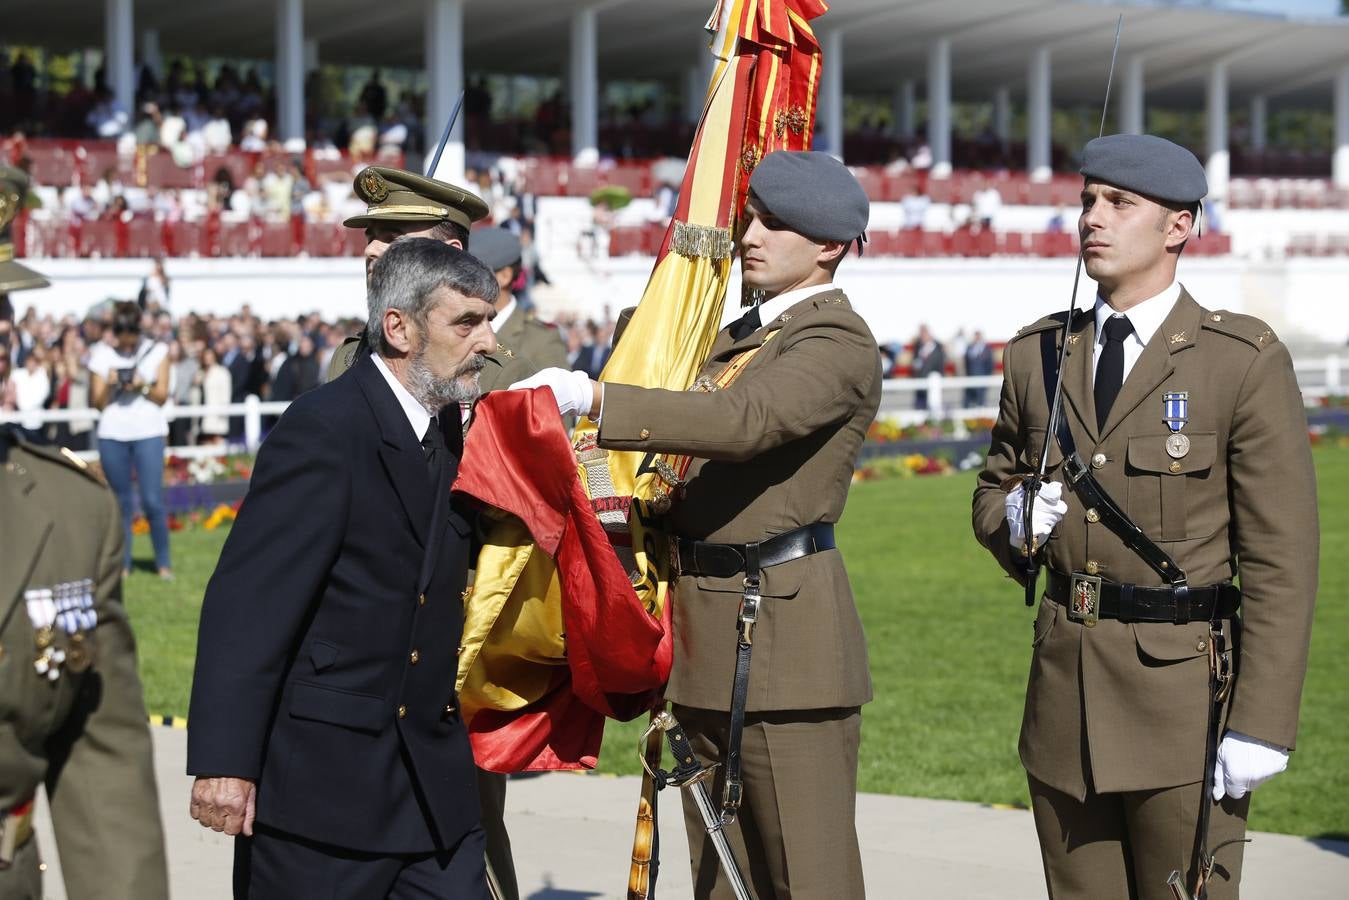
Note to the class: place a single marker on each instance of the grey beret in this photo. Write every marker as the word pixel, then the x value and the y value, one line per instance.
pixel 496 247
pixel 812 194
pixel 1147 164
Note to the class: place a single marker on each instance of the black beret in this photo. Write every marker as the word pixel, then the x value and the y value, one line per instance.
pixel 1147 164
pixel 812 194
pixel 496 247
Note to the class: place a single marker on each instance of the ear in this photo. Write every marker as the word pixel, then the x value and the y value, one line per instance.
pixel 1179 225
pixel 831 252
pixel 399 330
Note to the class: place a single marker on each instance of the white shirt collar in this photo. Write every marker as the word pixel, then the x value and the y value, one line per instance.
pixel 1146 317
pixel 503 314
pixel 771 309
pixel 417 415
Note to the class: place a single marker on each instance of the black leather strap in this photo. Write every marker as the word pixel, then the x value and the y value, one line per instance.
pixel 1082 482
pixel 1136 603
pixel 725 560
pixel 744 646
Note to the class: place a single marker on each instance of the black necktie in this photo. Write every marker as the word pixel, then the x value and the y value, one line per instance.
pixel 746 325
pixel 433 445
pixel 1110 369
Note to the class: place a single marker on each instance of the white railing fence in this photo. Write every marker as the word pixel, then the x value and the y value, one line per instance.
pixel 944 395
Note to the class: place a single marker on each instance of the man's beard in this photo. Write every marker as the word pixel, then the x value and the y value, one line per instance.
pixel 436 393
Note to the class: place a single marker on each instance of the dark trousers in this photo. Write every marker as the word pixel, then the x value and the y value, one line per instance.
pixel 1124 846
pixel 796 835
pixel 274 865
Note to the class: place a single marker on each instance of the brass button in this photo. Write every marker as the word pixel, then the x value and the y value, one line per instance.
pixel 402 712
pixel 1201 646
pixel 1216 317
pixel 449 709
pixel 463 598
pixel 1035 459
pixel 1093 516
pixel 644 433
pixel 460 651
pixel 1093 567
pixel 1174 467
pixel 1098 461
pixel 414 657
pixel 421 599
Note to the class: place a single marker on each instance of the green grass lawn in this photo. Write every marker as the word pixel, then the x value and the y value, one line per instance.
pixel 949 642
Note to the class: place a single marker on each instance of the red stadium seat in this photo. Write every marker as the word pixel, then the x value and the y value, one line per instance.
pixel 97 239
pixel 185 239
pixel 162 172
pixel 53 164
pixel 276 239
pixel 144 237
pixel 234 239
pixel 324 238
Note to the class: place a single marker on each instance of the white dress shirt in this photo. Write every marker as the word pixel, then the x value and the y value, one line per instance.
pixel 417 415
pixel 503 315
pixel 1146 317
pixel 771 309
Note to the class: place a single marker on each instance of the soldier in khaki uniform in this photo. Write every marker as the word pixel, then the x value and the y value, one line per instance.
pixel 72 715
pixel 536 344
pixel 774 445
pixel 1191 420
pixel 407 204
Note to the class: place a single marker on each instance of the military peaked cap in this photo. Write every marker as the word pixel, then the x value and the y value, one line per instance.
pixel 1147 164
pixel 393 195
pixel 811 193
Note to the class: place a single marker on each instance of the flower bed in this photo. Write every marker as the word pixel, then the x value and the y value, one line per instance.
pixel 222 514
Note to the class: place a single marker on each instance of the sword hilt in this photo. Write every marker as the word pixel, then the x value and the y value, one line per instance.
pixel 687 768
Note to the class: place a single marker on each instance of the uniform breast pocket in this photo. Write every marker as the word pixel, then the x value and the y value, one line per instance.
pixel 1175 498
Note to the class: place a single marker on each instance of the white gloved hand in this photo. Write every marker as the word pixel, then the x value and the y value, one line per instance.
pixel 572 390
pixel 1244 763
pixel 1050 508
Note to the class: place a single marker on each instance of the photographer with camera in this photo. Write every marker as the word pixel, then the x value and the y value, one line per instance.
pixel 129 375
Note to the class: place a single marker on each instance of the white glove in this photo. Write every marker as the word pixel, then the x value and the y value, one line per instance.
pixel 572 390
pixel 1244 763
pixel 1050 508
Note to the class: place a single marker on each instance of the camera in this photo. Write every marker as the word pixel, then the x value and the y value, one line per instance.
pixel 125 378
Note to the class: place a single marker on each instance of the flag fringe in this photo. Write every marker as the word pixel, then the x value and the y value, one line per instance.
pixel 705 241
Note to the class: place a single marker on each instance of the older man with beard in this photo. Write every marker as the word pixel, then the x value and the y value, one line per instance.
pixel 325 730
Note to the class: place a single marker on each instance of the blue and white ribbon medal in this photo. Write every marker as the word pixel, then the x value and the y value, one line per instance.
pixel 1176 413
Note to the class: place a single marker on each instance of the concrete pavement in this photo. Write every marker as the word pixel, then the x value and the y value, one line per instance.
pixel 572 836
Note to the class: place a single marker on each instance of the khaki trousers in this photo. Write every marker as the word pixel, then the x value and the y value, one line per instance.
pixel 795 837
pixel 1124 846
pixel 500 863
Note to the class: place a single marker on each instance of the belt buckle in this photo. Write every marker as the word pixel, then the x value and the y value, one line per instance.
pixel 1084 599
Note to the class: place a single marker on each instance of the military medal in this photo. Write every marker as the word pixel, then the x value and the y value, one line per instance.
pixel 1176 413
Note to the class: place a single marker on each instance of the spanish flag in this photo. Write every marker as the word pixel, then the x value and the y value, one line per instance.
pixel 568 621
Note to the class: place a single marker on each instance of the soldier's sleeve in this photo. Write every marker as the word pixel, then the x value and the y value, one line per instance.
pixel 822 375
pixel 1004 450
pixel 101 782
pixel 279 552
pixel 1276 539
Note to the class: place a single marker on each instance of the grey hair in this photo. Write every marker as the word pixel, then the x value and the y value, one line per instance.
pixel 407 275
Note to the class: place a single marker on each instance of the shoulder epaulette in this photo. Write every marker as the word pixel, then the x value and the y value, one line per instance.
pixel 1245 328
pixel 1052 322
pixel 63 456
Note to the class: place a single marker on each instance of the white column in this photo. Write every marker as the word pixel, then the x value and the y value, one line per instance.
pixel 831 93
pixel 150 52
pixel 939 106
pixel 1002 115
pixel 1219 162
pixel 904 107
pixel 1259 121
pixel 1340 161
pixel 119 57
pixel 445 81
pixel 311 55
pixel 584 86
pixel 1132 88
pixel 1039 110
pixel 290 70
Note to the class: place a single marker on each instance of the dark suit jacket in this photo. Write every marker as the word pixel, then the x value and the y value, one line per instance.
pixel 328 644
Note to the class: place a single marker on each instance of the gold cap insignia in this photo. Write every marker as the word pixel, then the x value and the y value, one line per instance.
pixel 373 185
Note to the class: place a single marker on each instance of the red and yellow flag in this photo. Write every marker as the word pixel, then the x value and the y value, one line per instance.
pixel 548 651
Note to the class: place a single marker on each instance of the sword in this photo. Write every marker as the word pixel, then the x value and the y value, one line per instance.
pixel 445 137
pixel 1032 484
pixel 692 776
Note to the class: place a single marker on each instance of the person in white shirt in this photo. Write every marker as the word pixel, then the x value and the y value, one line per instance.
pixel 32 387
pixel 129 382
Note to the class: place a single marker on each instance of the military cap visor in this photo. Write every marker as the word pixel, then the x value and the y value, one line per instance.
pixel 812 194
pixel 392 195
pixel 15 276
pixel 1146 164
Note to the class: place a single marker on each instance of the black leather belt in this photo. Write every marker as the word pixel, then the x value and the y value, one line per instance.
pixel 1135 603
pixel 724 560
